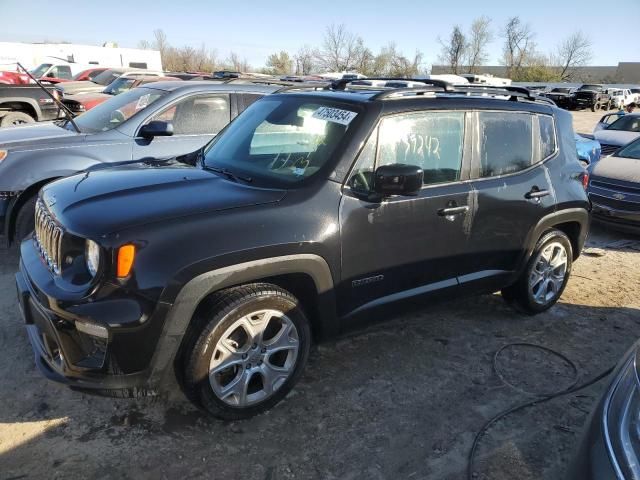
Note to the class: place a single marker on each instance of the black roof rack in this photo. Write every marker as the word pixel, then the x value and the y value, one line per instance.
pixel 343 82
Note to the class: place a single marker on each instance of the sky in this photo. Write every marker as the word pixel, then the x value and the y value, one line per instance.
pixel 255 29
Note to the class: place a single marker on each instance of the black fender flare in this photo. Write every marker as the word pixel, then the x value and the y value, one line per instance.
pixel 580 216
pixel 198 288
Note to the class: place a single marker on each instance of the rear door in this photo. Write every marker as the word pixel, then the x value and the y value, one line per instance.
pixel 196 119
pixel 512 190
pixel 405 246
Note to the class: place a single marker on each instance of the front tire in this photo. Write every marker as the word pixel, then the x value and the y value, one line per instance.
pixel 25 220
pixel 546 275
pixel 246 351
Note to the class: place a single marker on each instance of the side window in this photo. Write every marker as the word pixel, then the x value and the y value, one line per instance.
pixel 362 176
pixel 547 136
pixel 199 115
pixel 505 142
pixel 61 71
pixel 430 140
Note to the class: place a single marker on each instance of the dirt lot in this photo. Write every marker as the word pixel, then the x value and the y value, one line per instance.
pixel 400 399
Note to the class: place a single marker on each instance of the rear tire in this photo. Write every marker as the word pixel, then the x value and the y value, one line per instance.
pixel 25 221
pixel 595 107
pixel 609 105
pixel 16 118
pixel 246 351
pixel 546 275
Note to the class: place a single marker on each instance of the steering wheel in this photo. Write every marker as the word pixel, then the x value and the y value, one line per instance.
pixel 360 178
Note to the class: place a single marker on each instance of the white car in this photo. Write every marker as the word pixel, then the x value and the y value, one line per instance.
pixel 616 130
pixel 621 97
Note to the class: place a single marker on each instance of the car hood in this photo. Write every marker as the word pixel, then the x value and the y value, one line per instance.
pixel 79 87
pixel 615 137
pixel 35 135
pixel 100 202
pixel 618 168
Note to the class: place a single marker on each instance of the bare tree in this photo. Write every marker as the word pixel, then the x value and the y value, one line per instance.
pixel 144 45
pixel 454 50
pixel 519 45
pixel 304 60
pixel 234 62
pixel 341 50
pixel 575 51
pixel 479 37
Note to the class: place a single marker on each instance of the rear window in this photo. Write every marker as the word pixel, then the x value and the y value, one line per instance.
pixel 506 144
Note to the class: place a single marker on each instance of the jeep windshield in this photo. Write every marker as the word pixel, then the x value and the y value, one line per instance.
pixel 280 141
pixel 116 110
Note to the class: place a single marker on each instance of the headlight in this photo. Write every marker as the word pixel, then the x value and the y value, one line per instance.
pixel 622 421
pixel 92 257
pixel 3 154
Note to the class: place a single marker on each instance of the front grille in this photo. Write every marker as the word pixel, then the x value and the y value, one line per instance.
pixel 615 204
pixel 48 237
pixel 615 187
pixel 607 149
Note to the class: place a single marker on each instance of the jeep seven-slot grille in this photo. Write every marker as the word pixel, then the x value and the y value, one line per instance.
pixel 48 237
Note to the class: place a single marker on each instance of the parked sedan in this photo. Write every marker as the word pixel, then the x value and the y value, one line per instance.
pixel 614 189
pixel 610 448
pixel 161 120
pixel 86 101
pixel 98 82
pixel 616 130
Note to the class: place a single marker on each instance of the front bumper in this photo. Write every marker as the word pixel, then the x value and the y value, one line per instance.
pixel 114 353
pixel 622 220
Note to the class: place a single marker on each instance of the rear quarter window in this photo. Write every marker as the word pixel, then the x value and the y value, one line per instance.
pixel 547 136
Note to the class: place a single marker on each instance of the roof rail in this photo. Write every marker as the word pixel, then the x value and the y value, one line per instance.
pixel 401 91
pixel 343 82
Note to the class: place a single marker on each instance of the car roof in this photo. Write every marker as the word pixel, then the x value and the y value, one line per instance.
pixel 399 102
pixel 212 85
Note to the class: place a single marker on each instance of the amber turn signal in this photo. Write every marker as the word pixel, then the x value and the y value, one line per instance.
pixel 126 256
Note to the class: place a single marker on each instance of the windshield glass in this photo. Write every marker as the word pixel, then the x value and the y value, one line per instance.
pixel 630 151
pixel 40 69
pixel 119 85
pixel 629 123
pixel 280 140
pixel 116 110
pixel 106 77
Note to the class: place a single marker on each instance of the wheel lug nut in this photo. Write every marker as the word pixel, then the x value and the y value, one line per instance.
pixel 244 356
pixel 255 345
pixel 263 350
pixel 248 366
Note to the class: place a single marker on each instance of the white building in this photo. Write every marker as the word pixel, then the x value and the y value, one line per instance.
pixel 33 54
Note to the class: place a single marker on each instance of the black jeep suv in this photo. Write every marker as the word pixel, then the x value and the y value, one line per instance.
pixel 310 209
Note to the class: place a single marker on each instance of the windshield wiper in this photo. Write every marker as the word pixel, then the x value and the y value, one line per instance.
pixel 228 174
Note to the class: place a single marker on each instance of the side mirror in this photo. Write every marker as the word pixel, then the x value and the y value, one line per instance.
pixel 398 179
pixel 156 128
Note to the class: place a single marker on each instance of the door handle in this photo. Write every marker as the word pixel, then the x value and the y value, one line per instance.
pixel 534 193
pixel 450 211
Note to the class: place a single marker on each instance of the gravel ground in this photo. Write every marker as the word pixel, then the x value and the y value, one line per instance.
pixel 402 398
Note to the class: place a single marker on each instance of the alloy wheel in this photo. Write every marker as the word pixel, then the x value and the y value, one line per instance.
pixel 548 274
pixel 253 358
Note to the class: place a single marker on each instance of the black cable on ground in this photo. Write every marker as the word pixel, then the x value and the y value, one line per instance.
pixel 541 398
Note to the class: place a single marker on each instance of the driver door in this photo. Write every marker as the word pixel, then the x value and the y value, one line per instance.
pixel 406 246
pixel 196 120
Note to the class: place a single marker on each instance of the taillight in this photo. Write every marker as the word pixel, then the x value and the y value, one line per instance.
pixel 585 180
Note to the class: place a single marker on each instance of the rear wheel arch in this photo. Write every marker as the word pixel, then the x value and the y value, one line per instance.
pixel 19 105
